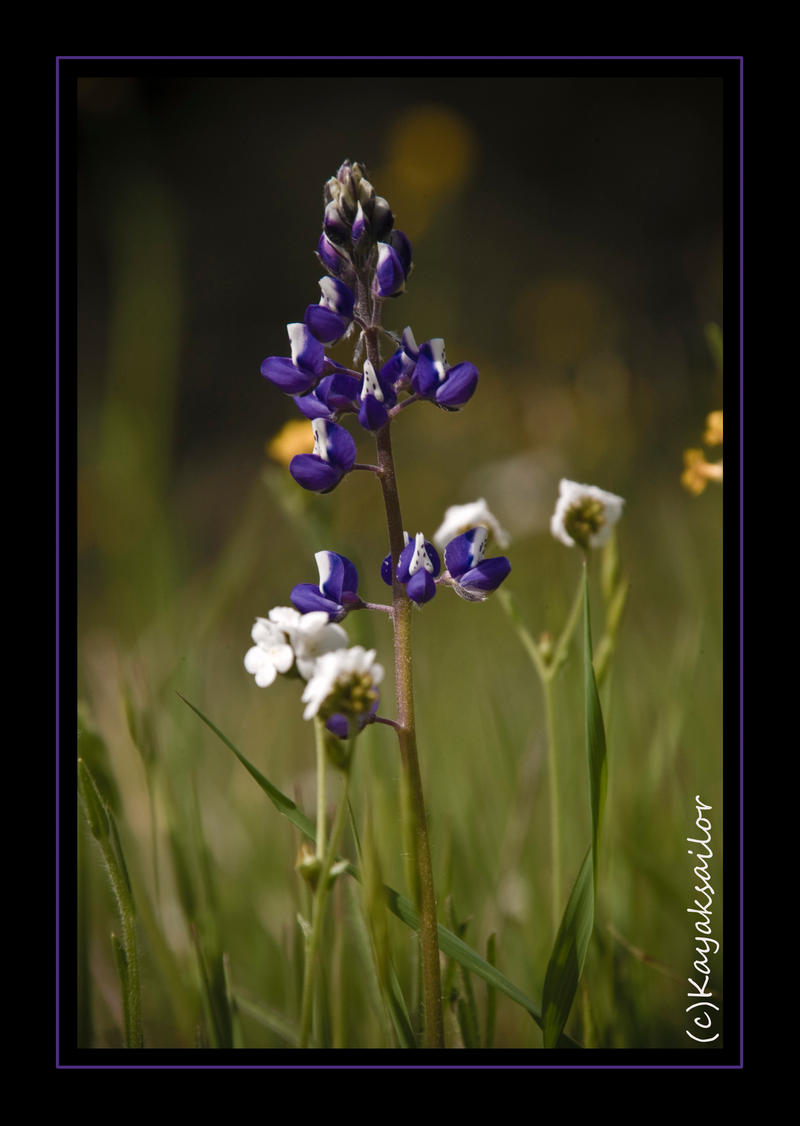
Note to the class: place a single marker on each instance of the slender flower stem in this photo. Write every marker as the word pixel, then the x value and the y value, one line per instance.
pixel 555 818
pixel 403 404
pixel 314 937
pixel 406 734
pixel 368 468
pixel 378 606
pixel 319 732
pixel 547 665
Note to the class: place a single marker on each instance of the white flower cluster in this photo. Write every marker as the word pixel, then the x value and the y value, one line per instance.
pixel 317 648
pixel 288 637
pixel 339 673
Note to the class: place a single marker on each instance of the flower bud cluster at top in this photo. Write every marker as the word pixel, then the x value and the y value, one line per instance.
pixel 367 261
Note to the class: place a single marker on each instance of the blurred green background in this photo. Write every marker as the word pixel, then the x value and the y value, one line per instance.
pixel 567 236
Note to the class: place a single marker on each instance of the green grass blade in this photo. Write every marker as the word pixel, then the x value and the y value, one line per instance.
pixel 104 829
pixel 574 934
pixel 569 954
pixel 401 907
pixel 491 995
pixel 283 804
pixel 267 1017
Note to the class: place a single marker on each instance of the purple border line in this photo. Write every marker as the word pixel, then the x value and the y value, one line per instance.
pixel 741 559
pixel 58 572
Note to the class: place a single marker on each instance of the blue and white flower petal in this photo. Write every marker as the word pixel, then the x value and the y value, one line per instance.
pixel 390 277
pixel 333 395
pixel 399 368
pixel 337 592
pixel 402 248
pixel 417 569
pixel 458 387
pixel 377 397
pixel 471 576
pixel 333 259
pixel 433 378
pixel 334 456
pixel 331 318
pixel 301 372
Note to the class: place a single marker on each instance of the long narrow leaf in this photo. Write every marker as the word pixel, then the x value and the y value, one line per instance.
pixel 401 907
pixel 569 954
pixel 566 962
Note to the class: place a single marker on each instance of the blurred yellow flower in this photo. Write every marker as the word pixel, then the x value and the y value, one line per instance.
pixel 295 437
pixel 698 472
pixel 713 434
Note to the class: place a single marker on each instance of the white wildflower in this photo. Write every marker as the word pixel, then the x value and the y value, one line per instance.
pixel 584 514
pixel 288 637
pixel 270 655
pixel 312 636
pixel 344 681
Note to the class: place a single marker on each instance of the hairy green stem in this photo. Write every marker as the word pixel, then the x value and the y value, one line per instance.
pixel 423 890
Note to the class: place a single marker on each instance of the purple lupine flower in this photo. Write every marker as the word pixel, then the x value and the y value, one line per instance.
pixel 390 276
pixel 377 398
pixel 402 248
pixel 471 576
pixel 330 320
pixel 333 457
pixel 417 568
pixel 448 387
pixel 334 258
pixel 337 592
pixel 304 369
pixel 333 395
pixel 399 368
